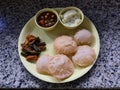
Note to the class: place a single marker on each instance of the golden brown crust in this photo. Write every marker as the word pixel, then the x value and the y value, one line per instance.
pixel 42 64
pixel 84 56
pixel 65 45
pixel 61 67
pixel 83 37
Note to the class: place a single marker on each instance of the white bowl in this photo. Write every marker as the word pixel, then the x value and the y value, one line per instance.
pixel 80 13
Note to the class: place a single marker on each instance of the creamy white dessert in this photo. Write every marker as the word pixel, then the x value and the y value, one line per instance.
pixel 71 18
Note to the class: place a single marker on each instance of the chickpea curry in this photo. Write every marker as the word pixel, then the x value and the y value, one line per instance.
pixel 47 19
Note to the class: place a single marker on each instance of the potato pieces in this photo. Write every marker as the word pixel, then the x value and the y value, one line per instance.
pixel 32 47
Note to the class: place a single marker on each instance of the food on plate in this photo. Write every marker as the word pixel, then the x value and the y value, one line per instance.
pixel 84 56
pixel 47 19
pixel 72 52
pixel 42 64
pixel 61 67
pixel 31 57
pixel 83 37
pixel 65 45
pixel 71 18
pixel 32 47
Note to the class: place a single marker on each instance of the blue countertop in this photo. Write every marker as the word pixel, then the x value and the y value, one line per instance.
pixel 105 14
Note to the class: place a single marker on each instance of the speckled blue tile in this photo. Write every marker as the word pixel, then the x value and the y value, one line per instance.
pixel 105 14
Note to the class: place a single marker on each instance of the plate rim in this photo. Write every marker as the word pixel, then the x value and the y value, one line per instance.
pixel 22 30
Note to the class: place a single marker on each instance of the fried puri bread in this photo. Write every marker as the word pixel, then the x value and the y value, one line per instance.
pixel 42 64
pixel 83 37
pixel 84 56
pixel 65 45
pixel 61 67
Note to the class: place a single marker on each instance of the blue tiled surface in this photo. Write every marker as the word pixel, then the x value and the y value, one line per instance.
pixel 105 14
